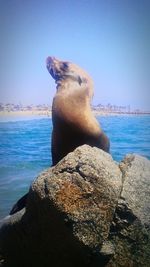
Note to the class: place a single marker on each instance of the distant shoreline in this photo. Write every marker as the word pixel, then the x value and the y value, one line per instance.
pixel 48 114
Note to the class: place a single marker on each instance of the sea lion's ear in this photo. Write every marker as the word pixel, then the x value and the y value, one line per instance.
pixel 79 80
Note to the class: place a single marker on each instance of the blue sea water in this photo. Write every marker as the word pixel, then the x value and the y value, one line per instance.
pixel 25 150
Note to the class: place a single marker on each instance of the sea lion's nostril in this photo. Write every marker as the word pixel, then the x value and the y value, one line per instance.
pixel 49 61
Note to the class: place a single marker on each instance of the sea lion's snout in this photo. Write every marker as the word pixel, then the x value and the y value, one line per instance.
pixel 50 66
pixel 49 62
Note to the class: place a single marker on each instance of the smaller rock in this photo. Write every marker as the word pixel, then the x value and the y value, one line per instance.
pixel 130 229
pixel 136 187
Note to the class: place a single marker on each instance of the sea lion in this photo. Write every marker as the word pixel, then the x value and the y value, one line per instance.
pixel 73 121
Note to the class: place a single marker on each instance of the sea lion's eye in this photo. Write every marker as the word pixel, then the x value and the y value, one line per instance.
pixel 65 65
pixel 79 80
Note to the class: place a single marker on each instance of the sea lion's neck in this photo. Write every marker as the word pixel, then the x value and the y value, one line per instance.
pixel 71 88
pixel 71 104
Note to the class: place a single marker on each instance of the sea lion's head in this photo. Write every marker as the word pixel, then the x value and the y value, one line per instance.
pixel 64 71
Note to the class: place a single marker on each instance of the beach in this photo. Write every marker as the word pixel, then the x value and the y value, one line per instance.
pixel 23 115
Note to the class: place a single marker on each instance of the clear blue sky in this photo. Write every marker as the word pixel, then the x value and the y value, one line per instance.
pixel 110 39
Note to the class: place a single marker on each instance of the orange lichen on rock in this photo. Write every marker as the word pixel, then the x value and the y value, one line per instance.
pixel 71 197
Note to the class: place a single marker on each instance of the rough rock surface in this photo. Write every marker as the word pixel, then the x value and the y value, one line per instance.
pixel 130 230
pixel 85 211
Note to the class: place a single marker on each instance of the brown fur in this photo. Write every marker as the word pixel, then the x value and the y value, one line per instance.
pixel 73 121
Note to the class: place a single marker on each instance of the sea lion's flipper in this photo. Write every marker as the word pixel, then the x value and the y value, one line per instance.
pixel 21 203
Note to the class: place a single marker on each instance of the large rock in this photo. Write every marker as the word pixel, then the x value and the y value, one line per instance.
pixel 85 211
pixel 68 215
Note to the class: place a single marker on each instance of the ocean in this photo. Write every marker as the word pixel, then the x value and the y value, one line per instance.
pixel 25 149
